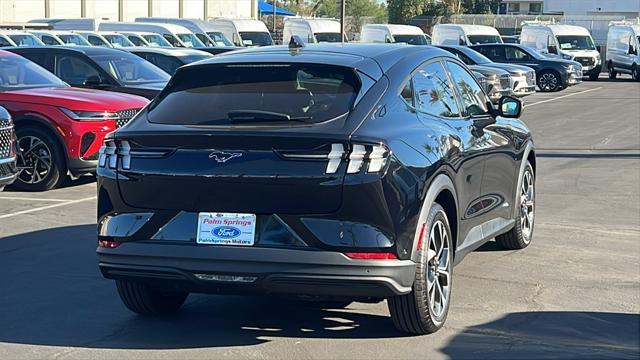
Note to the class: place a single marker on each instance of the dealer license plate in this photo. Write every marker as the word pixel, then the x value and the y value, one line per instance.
pixel 226 229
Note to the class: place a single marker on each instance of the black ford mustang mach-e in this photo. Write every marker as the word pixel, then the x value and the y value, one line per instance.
pixel 341 172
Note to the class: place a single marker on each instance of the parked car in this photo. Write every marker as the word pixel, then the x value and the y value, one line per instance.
pixel 218 50
pixel 8 170
pixel 351 172
pixel 169 59
pixel 176 35
pixel 99 68
pixel 523 78
pixel 116 39
pixel 5 41
pixel 94 38
pixel 392 33
pixel 142 38
pixel 463 34
pixel 55 37
pixel 312 30
pixel 20 38
pixel 551 74
pixel 59 128
pixel 208 34
pixel 569 42
pixel 244 32
pixel 623 42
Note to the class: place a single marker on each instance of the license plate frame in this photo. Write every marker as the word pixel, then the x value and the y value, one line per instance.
pixel 227 229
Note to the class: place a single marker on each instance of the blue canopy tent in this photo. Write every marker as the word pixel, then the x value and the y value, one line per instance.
pixel 267 9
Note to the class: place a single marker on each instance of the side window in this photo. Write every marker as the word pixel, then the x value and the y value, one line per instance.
pixel 472 98
pixel 94 40
pixel 136 41
pixel 495 53
pixel 407 93
pixel 168 64
pixel 172 40
pixel 464 58
pixel 515 54
pixel 49 40
pixel 433 91
pixel 4 42
pixel 74 70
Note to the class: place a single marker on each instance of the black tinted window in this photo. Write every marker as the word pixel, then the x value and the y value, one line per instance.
pixel 231 94
pixel 74 70
pixel 136 41
pixel 49 40
pixel 515 54
pixel 495 53
pixel 168 64
pixel 434 92
pixel 472 98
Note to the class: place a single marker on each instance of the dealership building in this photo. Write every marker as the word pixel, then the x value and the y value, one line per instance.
pixel 125 10
pixel 627 8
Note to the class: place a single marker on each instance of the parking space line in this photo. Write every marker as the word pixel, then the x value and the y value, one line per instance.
pixel 32 199
pixel 46 207
pixel 562 97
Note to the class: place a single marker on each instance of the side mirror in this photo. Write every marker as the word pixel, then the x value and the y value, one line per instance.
pixel 552 49
pixel 510 107
pixel 93 81
pixel 632 50
pixel 599 48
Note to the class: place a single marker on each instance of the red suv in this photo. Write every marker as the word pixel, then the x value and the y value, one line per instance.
pixel 60 128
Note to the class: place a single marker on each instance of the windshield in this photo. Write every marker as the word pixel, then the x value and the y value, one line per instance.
pixel 73 39
pixel 118 40
pixel 19 73
pixel 475 56
pixel 129 69
pixel 411 39
pixel 219 39
pixel 534 53
pixel 254 38
pixel 157 40
pixel 575 42
pixel 190 40
pixel 241 94
pixel 328 37
pixel 26 40
pixel 485 39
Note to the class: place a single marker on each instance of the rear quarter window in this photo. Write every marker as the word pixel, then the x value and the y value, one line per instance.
pixel 214 94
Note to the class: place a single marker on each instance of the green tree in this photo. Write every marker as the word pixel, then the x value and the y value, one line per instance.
pixel 401 11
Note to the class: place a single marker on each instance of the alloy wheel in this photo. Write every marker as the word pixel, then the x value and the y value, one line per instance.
pixel 527 205
pixel 635 75
pixel 548 82
pixel 438 269
pixel 34 160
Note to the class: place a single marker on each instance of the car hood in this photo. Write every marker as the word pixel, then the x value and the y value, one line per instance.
pixel 511 68
pixel 488 71
pixel 76 98
pixel 155 86
pixel 561 61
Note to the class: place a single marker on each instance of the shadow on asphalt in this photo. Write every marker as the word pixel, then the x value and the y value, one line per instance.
pixel 550 334
pixel 53 294
pixel 87 179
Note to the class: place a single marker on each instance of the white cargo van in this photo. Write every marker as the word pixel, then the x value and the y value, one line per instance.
pixel 90 24
pixel 312 30
pixel 463 34
pixel 58 37
pixel 392 33
pixel 567 41
pixel 623 49
pixel 244 32
pixel 176 35
pixel 204 30
pixel 144 38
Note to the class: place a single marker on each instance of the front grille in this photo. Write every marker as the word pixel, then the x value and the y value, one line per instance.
pixel 6 139
pixel 586 61
pixel 125 116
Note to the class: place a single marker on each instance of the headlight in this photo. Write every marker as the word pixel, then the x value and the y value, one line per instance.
pixel 90 115
pixel 567 57
pixel 598 59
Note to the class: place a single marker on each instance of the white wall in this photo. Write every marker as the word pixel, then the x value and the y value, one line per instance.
pixel 24 10
pixel 593 7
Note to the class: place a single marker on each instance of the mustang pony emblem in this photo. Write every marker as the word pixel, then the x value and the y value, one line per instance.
pixel 223 157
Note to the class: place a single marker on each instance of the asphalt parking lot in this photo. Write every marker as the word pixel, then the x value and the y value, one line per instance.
pixel 574 293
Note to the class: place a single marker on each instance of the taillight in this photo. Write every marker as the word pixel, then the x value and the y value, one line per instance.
pixel 375 158
pixel 371 256
pixel 108 244
pixel 113 150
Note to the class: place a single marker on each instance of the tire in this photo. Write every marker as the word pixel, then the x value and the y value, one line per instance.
pixel 41 160
pixel 594 76
pixel 635 73
pixel 520 236
pixel 418 312
pixel 612 72
pixel 549 81
pixel 146 300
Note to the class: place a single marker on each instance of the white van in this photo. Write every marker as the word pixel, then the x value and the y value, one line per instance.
pixel 312 30
pixel 89 24
pixel 58 37
pixel 18 38
pixel 462 34
pixel 244 32
pixel 176 35
pixel 570 42
pixel 204 30
pixel 623 49
pixel 143 38
pixel 392 33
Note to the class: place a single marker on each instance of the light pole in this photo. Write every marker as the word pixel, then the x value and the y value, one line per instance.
pixel 342 19
pixel 274 17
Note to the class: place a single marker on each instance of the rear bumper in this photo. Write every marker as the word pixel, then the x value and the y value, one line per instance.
pixel 263 270
pixel 78 167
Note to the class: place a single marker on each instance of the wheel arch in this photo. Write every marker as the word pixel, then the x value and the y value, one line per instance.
pixel 442 191
pixel 527 155
pixel 37 122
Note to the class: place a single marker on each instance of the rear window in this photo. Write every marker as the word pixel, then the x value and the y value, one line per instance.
pixel 256 94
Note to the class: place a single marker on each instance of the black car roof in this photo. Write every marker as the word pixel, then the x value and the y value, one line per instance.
pixel 87 50
pixel 174 52
pixel 357 55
